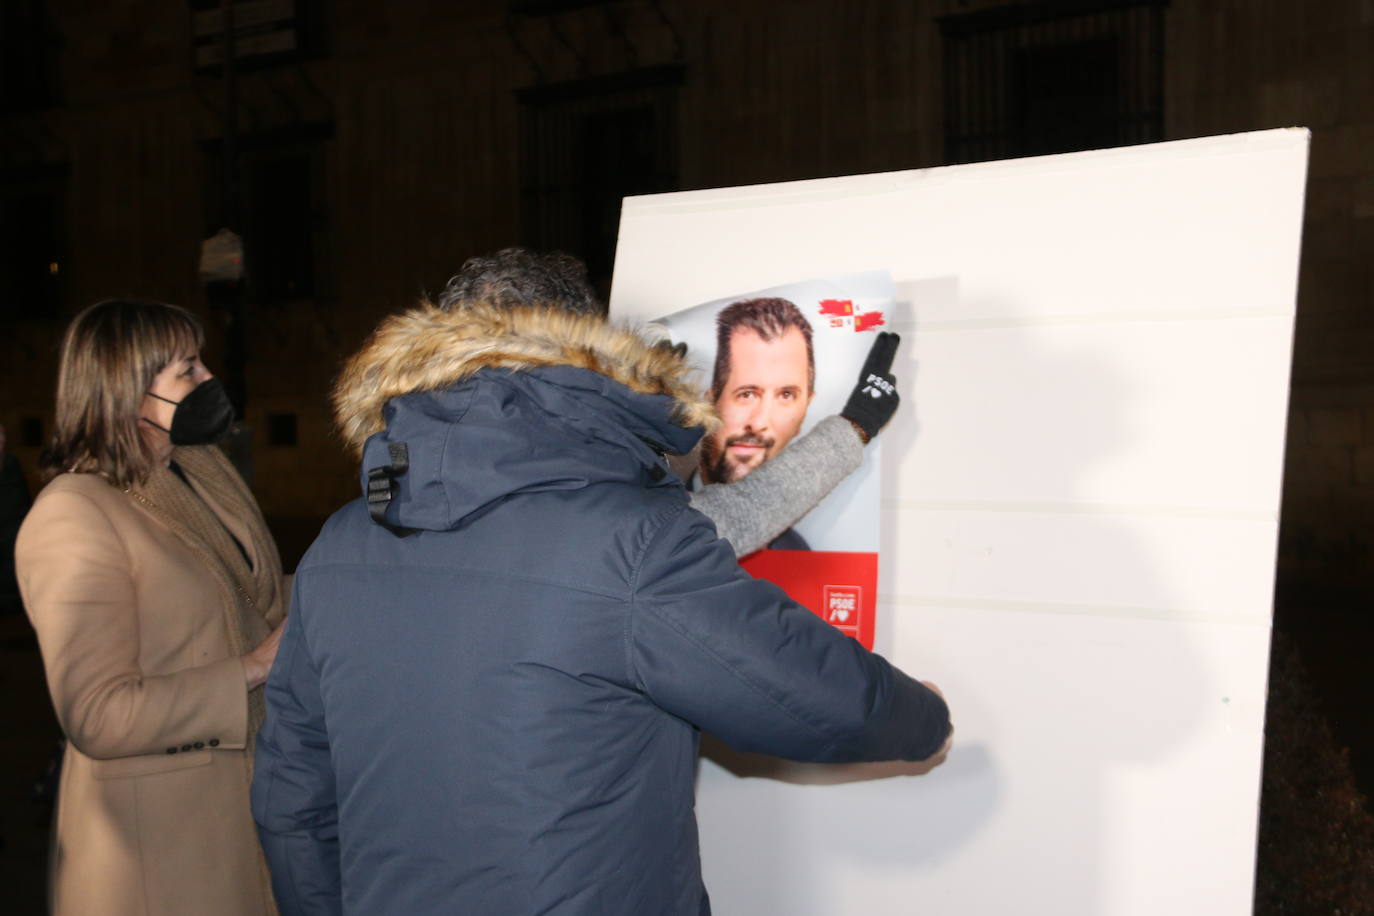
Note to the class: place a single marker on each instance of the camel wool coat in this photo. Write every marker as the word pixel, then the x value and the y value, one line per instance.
pixel 143 605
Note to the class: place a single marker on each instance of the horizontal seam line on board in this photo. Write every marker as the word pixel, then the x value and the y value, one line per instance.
pixel 1161 315
pixel 1026 508
pixel 1079 610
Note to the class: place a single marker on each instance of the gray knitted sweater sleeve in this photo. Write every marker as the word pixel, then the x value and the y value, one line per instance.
pixel 751 512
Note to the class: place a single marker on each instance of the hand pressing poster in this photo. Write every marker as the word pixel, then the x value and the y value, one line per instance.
pixel 776 362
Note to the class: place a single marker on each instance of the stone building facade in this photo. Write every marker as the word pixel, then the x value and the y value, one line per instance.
pixel 378 145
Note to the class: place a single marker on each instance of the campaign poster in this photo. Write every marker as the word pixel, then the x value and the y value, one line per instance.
pixel 775 362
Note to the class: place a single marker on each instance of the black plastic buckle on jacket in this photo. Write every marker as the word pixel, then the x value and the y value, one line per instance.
pixel 381 487
pixel 656 471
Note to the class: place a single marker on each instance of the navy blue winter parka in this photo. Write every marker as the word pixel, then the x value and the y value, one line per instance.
pixel 495 709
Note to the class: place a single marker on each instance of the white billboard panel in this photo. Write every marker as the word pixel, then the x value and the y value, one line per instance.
pixel 1081 495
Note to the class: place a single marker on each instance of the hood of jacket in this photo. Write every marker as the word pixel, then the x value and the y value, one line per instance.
pixel 494 402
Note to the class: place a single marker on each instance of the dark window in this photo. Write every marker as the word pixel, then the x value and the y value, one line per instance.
pixel 1053 77
pixel 588 145
pixel 32 262
pixel 280 247
pixel 29 50
pixel 281 429
pixel 1064 97
pixel 281 211
pixel 31 432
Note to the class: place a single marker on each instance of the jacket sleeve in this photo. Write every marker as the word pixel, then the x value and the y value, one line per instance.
pixel 751 512
pixel 736 657
pixel 77 582
pixel 294 802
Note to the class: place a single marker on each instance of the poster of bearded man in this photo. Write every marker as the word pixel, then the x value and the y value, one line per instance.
pixel 775 361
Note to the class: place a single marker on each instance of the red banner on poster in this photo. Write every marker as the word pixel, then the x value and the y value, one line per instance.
pixel 840 588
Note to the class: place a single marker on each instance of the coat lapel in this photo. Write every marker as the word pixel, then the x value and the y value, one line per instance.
pixel 231 504
pixel 251 604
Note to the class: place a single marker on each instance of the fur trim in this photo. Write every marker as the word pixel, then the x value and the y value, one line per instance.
pixel 426 349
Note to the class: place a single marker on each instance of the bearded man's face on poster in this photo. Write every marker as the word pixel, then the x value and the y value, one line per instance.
pixel 762 388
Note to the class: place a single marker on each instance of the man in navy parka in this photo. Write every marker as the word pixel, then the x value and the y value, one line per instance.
pixel 488 697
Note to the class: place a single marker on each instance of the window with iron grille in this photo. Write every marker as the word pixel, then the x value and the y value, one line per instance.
pixel 266 32
pixel 586 146
pixel 1053 77
pixel 280 208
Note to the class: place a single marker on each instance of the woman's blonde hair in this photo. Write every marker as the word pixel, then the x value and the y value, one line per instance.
pixel 110 355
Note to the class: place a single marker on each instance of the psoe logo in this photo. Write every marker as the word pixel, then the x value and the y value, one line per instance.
pixel 842 314
pixel 842 606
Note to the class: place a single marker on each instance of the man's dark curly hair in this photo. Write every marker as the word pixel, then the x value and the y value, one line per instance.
pixel 521 278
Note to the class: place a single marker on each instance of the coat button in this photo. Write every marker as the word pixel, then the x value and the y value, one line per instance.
pixel 186 747
pixel 198 745
pixel 171 750
pixel 214 742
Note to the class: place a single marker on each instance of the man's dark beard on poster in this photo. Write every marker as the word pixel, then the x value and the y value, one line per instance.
pixel 719 467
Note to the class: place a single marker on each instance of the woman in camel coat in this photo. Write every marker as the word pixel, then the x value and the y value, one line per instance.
pixel 156 593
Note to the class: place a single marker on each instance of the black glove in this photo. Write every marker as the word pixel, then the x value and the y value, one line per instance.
pixel 874 400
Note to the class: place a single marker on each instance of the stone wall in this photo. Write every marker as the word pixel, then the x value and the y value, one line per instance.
pixel 419 167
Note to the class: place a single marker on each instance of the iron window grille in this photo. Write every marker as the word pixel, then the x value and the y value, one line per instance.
pixel 1052 77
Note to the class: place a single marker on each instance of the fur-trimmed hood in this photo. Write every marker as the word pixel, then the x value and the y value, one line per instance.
pixel 490 403
pixel 427 348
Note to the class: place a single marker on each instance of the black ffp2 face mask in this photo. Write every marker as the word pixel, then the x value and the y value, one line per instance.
pixel 202 417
